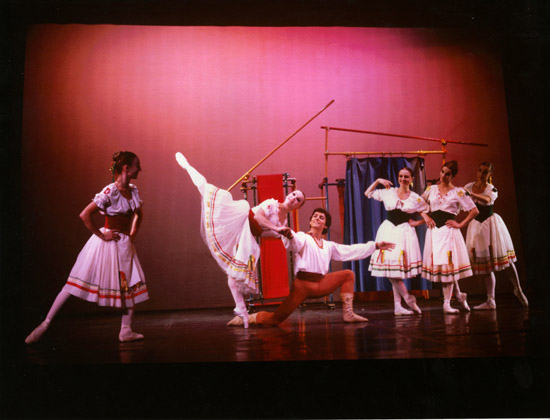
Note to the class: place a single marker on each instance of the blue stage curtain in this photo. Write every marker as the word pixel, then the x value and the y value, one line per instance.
pixel 363 216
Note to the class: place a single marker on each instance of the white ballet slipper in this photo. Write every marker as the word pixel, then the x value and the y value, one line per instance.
pixel 182 160
pixel 126 334
pixel 522 298
pixel 400 311
pixel 448 309
pixel 411 301
pixel 489 304
pixel 462 299
pixel 38 332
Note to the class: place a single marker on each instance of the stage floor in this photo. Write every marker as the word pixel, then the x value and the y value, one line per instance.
pixel 317 333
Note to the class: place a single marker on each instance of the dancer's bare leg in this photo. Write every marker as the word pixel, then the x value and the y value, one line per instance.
pixel 126 333
pixel 39 331
pixel 490 283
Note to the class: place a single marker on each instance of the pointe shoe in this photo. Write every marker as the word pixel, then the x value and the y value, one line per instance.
pixel 38 332
pixel 489 304
pixel 182 160
pixel 461 297
pixel 522 298
pixel 243 314
pixel 238 321
pixel 126 334
pixel 448 309
pixel 411 301
pixel 353 317
pixel 400 311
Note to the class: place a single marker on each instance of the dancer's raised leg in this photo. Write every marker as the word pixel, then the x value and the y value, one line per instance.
pixel 198 179
pixel 39 331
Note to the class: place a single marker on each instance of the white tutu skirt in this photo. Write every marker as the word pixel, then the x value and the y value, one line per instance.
pixel 405 260
pixel 108 273
pixel 226 231
pixel 445 256
pixel 490 245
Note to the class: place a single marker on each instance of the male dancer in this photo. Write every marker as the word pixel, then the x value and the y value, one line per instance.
pixel 312 258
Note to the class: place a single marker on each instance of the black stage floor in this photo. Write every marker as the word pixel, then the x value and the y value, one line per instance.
pixel 191 365
pixel 317 333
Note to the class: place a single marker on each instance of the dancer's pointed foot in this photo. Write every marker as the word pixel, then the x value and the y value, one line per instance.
pixel 448 309
pixel 38 332
pixel 462 299
pixel 126 334
pixel 182 160
pixel 243 314
pixel 522 298
pixel 489 304
pixel 400 311
pixel 411 301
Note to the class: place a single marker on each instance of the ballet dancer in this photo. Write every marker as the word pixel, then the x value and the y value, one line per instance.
pixel 445 257
pixel 230 228
pixel 312 256
pixel 107 270
pixel 488 240
pixel 405 260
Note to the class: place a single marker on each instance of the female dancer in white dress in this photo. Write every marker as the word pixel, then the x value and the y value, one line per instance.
pixel 107 270
pixel 229 228
pixel 405 260
pixel 488 240
pixel 445 254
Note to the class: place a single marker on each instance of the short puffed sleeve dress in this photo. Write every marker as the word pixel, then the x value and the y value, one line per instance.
pixel 445 256
pixel 405 260
pixel 487 239
pixel 108 272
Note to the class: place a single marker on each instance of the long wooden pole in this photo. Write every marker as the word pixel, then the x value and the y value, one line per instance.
pixel 247 173
pixel 439 140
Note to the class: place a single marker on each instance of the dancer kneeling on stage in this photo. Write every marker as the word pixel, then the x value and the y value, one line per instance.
pixel 312 258
pixel 488 240
pixel 445 255
pixel 229 229
pixel 107 270
pixel 405 261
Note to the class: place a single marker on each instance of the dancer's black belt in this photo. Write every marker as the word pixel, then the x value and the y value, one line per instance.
pixel 120 222
pixel 440 217
pixel 484 212
pixel 397 216
pixel 308 276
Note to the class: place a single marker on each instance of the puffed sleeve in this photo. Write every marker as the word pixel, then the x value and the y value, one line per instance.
pixel 419 204
pixel 297 243
pixel 491 192
pixel 426 195
pixel 465 202
pixel 340 252
pixel 136 196
pixel 103 199
pixel 270 208
pixel 378 194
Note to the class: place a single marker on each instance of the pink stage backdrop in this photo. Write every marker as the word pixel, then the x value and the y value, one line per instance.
pixel 225 97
